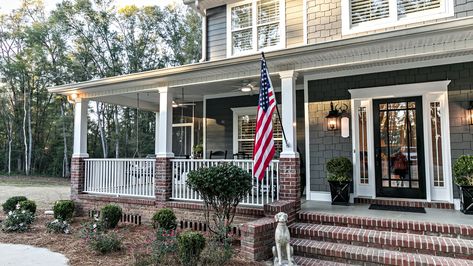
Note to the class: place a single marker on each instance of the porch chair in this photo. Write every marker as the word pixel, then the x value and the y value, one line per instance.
pixel 221 154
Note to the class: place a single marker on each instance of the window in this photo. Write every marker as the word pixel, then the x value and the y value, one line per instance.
pixel 363 145
pixel 435 127
pixel 255 25
pixel 365 15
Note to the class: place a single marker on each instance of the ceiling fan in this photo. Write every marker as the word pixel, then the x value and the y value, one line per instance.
pixel 247 87
pixel 179 102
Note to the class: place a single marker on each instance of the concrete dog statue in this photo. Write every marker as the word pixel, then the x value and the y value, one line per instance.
pixel 283 251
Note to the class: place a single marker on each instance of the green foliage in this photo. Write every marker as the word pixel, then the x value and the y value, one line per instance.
pixel 164 218
pixel 59 227
pixel 190 245
pixel 64 210
pixel 28 205
pixel 106 243
pixel 222 188
pixel 339 169
pixel 10 204
pixel 217 252
pixel 18 221
pixel 463 170
pixel 110 215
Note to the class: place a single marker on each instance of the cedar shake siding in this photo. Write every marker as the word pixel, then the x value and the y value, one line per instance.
pixel 294 23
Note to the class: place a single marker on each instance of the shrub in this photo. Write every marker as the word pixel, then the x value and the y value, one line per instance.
pixel 190 245
pixel 222 188
pixel 217 253
pixel 463 170
pixel 64 210
pixel 157 251
pixel 339 169
pixel 110 215
pixel 58 226
pixel 18 221
pixel 10 204
pixel 28 205
pixel 106 243
pixel 164 218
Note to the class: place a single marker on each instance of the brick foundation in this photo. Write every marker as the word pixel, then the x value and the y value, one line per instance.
pixel 289 181
pixel 257 239
pixel 77 176
pixel 163 180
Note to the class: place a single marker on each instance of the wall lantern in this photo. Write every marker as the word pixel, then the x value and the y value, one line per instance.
pixel 71 98
pixel 470 113
pixel 332 118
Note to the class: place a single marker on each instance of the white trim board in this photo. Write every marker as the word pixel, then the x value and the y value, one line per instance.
pixel 404 90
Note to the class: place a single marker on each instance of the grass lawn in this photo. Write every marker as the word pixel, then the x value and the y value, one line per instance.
pixel 76 250
pixel 36 181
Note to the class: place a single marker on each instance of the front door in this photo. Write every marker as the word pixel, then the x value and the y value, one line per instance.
pixel 399 150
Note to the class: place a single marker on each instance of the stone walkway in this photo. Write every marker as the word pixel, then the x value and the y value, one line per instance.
pixel 22 255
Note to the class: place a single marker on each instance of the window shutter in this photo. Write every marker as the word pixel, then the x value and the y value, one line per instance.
pixel 405 7
pixel 368 10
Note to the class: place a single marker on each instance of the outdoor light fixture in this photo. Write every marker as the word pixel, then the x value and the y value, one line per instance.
pixel 246 89
pixel 174 104
pixel 72 98
pixel 470 113
pixel 332 118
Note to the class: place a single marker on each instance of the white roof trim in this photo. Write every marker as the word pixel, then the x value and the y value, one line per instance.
pixel 404 90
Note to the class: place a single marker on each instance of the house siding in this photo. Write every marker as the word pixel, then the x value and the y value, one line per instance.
pixel 217 33
pixel 294 23
pixel 460 92
pixel 324 20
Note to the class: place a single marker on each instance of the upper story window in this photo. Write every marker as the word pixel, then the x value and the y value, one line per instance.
pixel 366 15
pixel 255 25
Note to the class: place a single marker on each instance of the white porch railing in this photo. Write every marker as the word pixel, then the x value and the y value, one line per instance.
pixel 263 192
pixel 120 177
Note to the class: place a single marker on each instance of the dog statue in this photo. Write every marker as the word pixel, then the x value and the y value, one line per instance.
pixel 282 252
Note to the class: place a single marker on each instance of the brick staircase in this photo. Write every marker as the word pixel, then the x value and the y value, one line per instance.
pixel 334 239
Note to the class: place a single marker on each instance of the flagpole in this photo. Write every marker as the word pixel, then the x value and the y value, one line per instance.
pixel 279 115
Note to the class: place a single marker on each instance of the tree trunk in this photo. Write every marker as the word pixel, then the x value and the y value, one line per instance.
pixel 117 133
pixel 25 140
pixel 100 122
pixel 65 164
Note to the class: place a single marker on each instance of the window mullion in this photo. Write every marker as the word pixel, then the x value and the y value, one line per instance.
pixel 393 10
pixel 255 25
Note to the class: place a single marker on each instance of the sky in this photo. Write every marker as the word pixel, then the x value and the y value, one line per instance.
pixel 7 5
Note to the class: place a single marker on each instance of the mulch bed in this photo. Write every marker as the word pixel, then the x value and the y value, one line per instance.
pixel 76 249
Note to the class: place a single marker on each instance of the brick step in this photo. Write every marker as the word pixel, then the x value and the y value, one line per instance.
pixel 304 261
pixel 413 243
pixel 382 224
pixel 356 255
pixel 407 203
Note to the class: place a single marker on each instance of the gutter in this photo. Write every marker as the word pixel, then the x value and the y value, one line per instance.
pixel 420 31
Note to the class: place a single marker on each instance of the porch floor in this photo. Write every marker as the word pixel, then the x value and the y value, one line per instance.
pixel 432 215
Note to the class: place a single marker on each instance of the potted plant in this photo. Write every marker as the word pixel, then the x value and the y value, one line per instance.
pixel 463 172
pixel 198 150
pixel 339 176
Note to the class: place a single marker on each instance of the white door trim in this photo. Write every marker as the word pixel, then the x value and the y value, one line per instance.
pixel 430 92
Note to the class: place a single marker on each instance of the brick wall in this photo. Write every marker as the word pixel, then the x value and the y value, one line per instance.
pixel 163 180
pixel 77 176
pixel 324 144
pixel 460 92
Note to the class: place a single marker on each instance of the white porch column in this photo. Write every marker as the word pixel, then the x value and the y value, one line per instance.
pixel 80 128
pixel 164 135
pixel 288 100
pixel 156 134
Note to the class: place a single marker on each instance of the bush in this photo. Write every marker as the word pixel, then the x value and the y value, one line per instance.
pixel 164 218
pixel 58 226
pixel 106 243
pixel 64 210
pixel 339 169
pixel 463 170
pixel 18 221
pixel 217 253
pixel 222 188
pixel 28 205
pixel 110 215
pixel 190 245
pixel 159 251
pixel 10 204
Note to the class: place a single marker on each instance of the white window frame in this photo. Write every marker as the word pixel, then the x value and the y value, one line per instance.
pixel 239 111
pixel 254 50
pixel 446 9
pixel 436 91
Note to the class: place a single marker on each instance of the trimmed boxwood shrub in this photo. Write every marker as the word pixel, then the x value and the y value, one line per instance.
pixel 28 205
pixel 165 219
pixel 10 204
pixel 110 215
pixel 64 210
pixel 339 169
pixel 190 245
pixel 463 170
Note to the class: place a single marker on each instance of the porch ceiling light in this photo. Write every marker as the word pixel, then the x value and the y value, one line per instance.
pixel 470 113
pixel 174 104
pixel 332 118
pixel 246 89
pixel 72 98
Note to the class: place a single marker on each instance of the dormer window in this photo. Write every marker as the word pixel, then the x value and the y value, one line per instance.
pixel 366 15
pixel 255 25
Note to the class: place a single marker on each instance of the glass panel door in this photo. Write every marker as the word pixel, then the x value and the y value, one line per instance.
pixel 398 148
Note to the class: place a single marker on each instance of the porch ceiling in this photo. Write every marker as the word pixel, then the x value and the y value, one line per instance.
pixel 442 43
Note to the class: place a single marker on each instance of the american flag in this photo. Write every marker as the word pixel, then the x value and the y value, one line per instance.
pixel 264 149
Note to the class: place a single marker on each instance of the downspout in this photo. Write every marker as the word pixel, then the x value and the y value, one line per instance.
pixel 204 30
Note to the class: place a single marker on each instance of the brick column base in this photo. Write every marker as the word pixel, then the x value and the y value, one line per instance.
pixel 77 177
pixel 286 206
pixel 257 239
pixel 163 181
pixel 290 181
